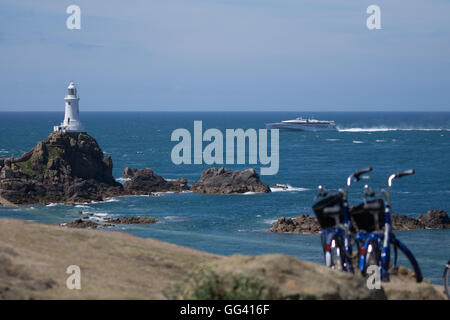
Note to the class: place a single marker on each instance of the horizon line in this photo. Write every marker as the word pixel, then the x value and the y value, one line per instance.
pixel 188 111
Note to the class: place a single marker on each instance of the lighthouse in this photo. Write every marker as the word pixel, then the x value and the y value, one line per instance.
pixel 71 121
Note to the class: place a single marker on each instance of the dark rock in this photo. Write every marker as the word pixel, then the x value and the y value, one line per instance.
pixel 436 219
pixel 302 224
pixel 131 220
pixel 404 222
pixel 145 181
pixel 65 167
pixel 225 181
pixel 81 224
pixel 128 173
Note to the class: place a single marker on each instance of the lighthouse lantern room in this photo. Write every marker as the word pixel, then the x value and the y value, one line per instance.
pixel 71 121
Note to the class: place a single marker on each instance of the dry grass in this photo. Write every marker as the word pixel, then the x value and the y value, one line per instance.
pixel 113 265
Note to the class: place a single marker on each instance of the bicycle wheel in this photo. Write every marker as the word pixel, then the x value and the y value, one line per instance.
pixel 404 265
pixel 370 254
pixel 334 254
pixel 447 279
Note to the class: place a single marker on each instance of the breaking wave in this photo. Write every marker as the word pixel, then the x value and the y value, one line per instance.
pixel 381 129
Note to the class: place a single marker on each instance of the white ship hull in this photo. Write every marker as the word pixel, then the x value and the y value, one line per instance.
pixel 302 126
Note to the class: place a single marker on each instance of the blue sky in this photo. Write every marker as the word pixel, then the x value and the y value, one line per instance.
pixel 197 55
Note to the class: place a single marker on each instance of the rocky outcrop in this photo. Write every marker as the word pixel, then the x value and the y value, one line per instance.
pixel 145 181
pixel 65 167
pixel 131 220
pixel 225 181
pixel 302 224
pixel 128 173
pixel 81 224
pixel 434 219
pixel 404 222
pixel 85 223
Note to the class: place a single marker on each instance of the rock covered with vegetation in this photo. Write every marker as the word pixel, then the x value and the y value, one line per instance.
pixel 65 167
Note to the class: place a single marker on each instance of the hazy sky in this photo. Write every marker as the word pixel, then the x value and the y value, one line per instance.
pixel 226 55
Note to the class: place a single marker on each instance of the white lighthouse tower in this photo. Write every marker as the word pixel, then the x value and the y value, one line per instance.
pixel 71 121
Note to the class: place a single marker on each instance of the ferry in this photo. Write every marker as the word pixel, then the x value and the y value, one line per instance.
pixel 301 124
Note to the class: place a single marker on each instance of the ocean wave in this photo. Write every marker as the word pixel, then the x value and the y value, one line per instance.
pixel 162 193
pixel 111 200
pixel 269 221
pixel 358 141
pixel 388 129
pixel 332 140
pixel 82 206
pixel 288 189
pixel 52 205
pixel 174 218
pixel 381 140
pixel 123 179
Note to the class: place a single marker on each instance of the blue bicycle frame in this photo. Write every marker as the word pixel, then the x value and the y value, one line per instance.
pixel 341 234
pixel 385 239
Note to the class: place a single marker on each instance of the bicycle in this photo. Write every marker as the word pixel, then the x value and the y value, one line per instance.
pixel 337 234
pixel 447 279
pixel 379 241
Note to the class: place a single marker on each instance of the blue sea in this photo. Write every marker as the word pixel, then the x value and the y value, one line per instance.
pixel 230 224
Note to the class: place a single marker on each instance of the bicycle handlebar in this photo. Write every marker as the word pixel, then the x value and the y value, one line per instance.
pixel 399 175
pixel 357 176
pixel 404 173
pixel 359 173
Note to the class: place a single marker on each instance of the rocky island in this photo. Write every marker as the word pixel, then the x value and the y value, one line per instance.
pixel 70 167
pixel 66 167
pixel 223 181
pixel 145 182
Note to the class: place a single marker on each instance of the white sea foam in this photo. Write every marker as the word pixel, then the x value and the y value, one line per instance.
pixel 160 193
pixel 381 140
pixel 381 129
pixel 174 218
pixel 269 221
pixel 123 179
pixel 288 189
pixel 111 200
pixel 100 214
pixel 52 205
pixel 358 141
pixel 332 140
pixel 82 206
